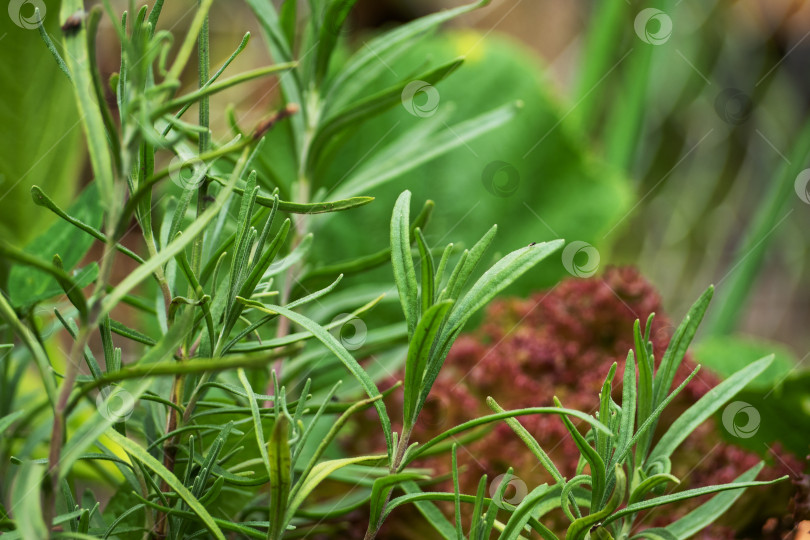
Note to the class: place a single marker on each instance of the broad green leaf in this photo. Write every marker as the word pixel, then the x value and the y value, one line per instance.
pixel 402 261
pixel 171 480
pixel 708 512
pixel 725 355
pixel 41 136
pixel 705 407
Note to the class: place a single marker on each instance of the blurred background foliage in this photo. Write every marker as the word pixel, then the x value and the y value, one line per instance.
pixel 677 157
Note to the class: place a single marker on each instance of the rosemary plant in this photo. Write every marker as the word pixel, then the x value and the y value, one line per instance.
pixel 222 424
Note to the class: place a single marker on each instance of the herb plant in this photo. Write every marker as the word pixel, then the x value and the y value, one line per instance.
pixel 224 421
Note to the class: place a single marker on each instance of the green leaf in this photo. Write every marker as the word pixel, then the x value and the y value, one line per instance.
pixel 530 442
pixel 598 473
pixel 428 272
pixel 402 261
pixel 649 484
pixel 25 493
pixel 280 465
pixel 708 512
pixel 496 279
pixel 348 360
pixel 483 420
pixel 579 529
pixel 705 407
pixel 358 71
pixel 79 61
pixel 683 495
pixel 362 110
pixel 9 419
pixel 679 344
pixel 319 473
pixel 418 353
pixel 382 488
pixel 171 480
pixel 333 20
pixel 27 286
pixel 522 514
pixel 414 148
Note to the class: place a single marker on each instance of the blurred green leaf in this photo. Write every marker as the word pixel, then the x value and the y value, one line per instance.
pixel 41 134
pixel 26 285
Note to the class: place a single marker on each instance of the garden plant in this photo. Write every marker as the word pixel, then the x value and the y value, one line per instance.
pixel 216 362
